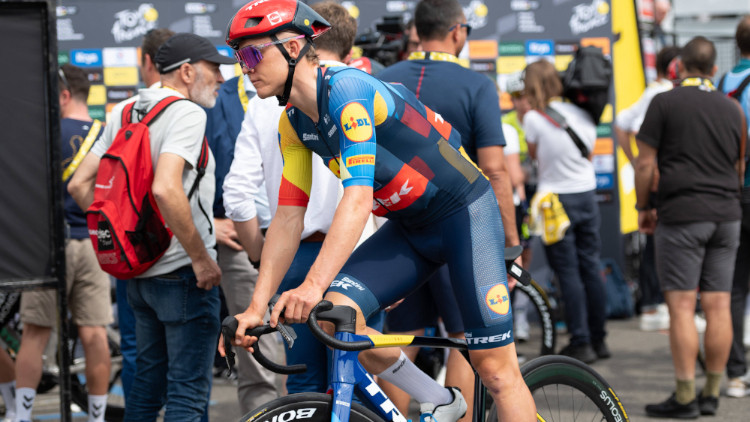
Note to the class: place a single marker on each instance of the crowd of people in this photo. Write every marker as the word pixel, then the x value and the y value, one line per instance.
pixel 402 212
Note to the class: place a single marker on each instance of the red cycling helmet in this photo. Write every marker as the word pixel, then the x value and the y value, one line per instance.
pixel 268 17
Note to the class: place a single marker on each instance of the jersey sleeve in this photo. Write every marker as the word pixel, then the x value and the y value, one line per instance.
pixel 296 177
pixel 352 104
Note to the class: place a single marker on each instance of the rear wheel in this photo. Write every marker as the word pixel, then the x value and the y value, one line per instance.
pixel 540 336
pixel 562 386
pixel 306 407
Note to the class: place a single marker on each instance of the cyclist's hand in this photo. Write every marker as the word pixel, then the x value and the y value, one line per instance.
pixel 296 304
pixel 207 272
pixel 246 321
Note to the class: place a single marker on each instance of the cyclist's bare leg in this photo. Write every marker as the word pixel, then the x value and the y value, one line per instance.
pixel 374 360
pixel 400 398
pixel 29 357
pixel 96 350
pixel 500 373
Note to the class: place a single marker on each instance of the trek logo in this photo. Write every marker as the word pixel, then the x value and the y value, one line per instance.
pixel 399 193
pixel 345 283
pixel 498 299
pixel 487 339
pixel 386 406
pixel 356 122
pixel 358 160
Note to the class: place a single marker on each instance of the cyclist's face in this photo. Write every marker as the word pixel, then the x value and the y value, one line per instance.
pixel 264 64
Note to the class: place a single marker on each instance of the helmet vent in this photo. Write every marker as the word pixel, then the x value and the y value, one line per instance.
pixel 252 22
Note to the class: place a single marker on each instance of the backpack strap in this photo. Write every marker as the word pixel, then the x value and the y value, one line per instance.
pixel 558 120
pixel 127 113
pixel 737 93
pixel 156 110
pixel 201 167
pixel 720 86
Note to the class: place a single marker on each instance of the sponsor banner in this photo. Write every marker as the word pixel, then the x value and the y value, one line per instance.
pixel 601 42
pixel 605 181
pixel 511 49
pixel 86 58
pixel 95 75
pixel 117 94
pixel 62 58
pixel 540 47
pixel 120 57
pixel 604 163
pixel 483 49
pixel 97 112
pixel 121 76
pixel 511 64
pixel 604 146
pixel 97 95
pixel 562 62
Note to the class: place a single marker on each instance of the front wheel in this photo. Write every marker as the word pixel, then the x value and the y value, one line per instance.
pixel 306 407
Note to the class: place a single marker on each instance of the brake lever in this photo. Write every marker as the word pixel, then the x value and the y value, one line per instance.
pixel 228 329
pixel 286 331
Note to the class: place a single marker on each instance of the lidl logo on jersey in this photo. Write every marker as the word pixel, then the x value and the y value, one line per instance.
pixel 358 160
pixel 356 122
pixel 86 58
pixel 498 299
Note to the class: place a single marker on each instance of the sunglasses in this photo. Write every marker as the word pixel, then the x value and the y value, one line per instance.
pixel 461 25
pixel 61 74
pixel 250 55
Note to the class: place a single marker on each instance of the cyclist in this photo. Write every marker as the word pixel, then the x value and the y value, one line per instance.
pixel 397 159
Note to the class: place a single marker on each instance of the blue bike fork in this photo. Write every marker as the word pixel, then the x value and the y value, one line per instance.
pixel 348 373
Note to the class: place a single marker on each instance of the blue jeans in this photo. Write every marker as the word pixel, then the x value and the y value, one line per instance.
pixel 176 327
pixel 126 325
pixel 575 260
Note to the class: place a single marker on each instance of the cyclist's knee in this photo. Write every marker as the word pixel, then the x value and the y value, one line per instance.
pixel 498 368
pixel 340 299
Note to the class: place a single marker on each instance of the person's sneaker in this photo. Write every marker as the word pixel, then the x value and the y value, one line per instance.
pixel 583 352
pixel 521 328
pixel 654 321
pixel 738 387
pixel 450 412
pixel 601 349
pixel 700 323
pixel 708 405
pixel 670 408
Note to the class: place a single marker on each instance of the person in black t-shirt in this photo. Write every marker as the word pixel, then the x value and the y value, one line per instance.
pixel 694 135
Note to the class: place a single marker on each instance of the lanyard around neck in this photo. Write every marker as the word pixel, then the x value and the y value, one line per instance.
pixel 433 55
pixel 703 83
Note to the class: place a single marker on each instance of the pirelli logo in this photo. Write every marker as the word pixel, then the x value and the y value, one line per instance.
pixel 356 160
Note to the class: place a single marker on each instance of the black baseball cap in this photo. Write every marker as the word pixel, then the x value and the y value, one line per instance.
pixel 187 48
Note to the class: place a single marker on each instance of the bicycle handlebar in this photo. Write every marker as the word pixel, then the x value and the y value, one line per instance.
pixel 229 328
pixel 338 315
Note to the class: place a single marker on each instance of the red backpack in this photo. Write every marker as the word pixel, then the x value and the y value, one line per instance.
pixel 124 222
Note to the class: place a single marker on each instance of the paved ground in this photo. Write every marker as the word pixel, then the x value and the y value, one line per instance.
pixel 640 372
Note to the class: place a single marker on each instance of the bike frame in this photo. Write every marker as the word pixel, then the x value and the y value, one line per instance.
pixel 349 374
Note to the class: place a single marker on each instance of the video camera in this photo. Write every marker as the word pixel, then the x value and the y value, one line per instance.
pixel 386 43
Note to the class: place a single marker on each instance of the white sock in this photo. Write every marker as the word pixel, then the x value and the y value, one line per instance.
pixel 406 376
pixel 8 391
pixel 24 402
pixel 97 406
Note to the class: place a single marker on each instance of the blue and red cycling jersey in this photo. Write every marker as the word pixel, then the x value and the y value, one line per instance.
pixel 371 133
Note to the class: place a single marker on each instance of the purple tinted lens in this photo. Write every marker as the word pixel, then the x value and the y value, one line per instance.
pixel 249 56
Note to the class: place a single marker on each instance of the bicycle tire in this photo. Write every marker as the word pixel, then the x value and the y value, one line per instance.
pixel 542 333
pixel 554 381
pixel 292 405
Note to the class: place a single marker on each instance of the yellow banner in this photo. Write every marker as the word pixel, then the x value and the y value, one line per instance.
pixel 121 76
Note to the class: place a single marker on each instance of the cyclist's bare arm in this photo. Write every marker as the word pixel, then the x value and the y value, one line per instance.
pixel 347 226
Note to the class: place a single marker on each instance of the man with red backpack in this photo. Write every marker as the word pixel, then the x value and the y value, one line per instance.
pixel 174 298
